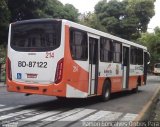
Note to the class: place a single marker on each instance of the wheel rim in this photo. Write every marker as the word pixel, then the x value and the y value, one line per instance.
pixel 107 93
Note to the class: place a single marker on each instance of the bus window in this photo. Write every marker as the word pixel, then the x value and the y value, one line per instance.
pixel 136 56
pixel 37 37
pixel 78 45
pixel 133 55
pixel 139 56
pixel 117 54
pixel 105 52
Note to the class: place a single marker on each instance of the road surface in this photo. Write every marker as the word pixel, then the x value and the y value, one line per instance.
pixel 46 111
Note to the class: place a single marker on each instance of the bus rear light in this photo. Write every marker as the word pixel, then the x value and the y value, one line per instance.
pixel 8 69
pixel 59 71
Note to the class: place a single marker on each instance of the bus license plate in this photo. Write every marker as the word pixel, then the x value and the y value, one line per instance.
pixel 32 64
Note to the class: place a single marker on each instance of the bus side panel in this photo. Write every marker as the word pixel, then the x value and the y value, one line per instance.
pixel 100 85
pixel 116 84
pixel 132 82
pixel 112 72
pixel 75 76
pixel 136 71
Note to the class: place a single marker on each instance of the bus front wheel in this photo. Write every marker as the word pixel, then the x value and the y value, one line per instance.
pixel 106 91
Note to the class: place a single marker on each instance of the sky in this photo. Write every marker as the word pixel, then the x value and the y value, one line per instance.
pixel 88 5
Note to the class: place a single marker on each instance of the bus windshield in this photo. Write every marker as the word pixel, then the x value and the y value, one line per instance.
pixel 157 65
pixel 36 36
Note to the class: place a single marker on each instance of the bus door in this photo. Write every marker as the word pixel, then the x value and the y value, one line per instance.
pixel 93 65
pixel 126 63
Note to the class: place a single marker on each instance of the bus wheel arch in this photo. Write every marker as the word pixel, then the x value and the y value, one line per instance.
pixel 106 90
pixel 138 83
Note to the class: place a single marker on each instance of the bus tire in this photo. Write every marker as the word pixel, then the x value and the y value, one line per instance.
pixel 135 90
pixel 106 91
pixel 139 81
pixel 61 98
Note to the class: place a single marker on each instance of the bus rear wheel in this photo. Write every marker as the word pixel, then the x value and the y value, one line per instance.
pixel 135 90
pixel 106 91
pixel 61 98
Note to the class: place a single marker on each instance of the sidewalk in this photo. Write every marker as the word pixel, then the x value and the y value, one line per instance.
pixel 151 111
pixel 156 111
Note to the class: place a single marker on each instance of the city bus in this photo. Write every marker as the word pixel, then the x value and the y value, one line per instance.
pixel 156 69
pixel 57 57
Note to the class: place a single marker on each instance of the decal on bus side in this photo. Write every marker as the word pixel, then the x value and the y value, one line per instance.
pixel 75 68
pixel 19 75
pixel 29 75
pixel 117 69
pixel 108 71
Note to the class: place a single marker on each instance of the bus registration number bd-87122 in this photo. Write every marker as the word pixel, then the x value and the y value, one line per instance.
pixel 32 64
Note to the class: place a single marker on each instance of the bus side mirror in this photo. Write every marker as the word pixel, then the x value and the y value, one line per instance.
pixel 148 58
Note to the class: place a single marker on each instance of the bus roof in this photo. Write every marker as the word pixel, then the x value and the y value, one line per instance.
pixel 85 28
pixel 100 33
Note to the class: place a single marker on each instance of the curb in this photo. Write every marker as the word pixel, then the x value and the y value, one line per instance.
pixel 147 109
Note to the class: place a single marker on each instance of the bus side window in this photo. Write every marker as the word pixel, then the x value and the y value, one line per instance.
pixel 78 45
pixel 105 50
pixel 139 56
pixel 117 52
pixel 136 56
pixel 133 55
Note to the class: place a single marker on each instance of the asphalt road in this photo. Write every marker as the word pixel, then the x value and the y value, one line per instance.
pixel 48 111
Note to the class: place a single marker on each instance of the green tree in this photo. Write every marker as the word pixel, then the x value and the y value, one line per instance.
pixel 127 18
pixel 31 9
pixel 53 9
pixel 4 21
pixel 70 13
pixel 26 9
pixel 91 20
pixel 56 9
pixel 152 41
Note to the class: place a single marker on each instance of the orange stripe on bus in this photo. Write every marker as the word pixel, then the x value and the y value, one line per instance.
pixel 74 75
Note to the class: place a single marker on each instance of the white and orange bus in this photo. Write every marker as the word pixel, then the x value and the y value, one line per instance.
pixel 65 59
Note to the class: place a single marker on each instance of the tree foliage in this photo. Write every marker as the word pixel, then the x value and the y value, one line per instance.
pixel 16 10
pixel 127 18
pixel 4 20
pixel 91 20
pixel 31 9
pixel 26 9
pixel 56 9
pixel 152 41
pixel 70 13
